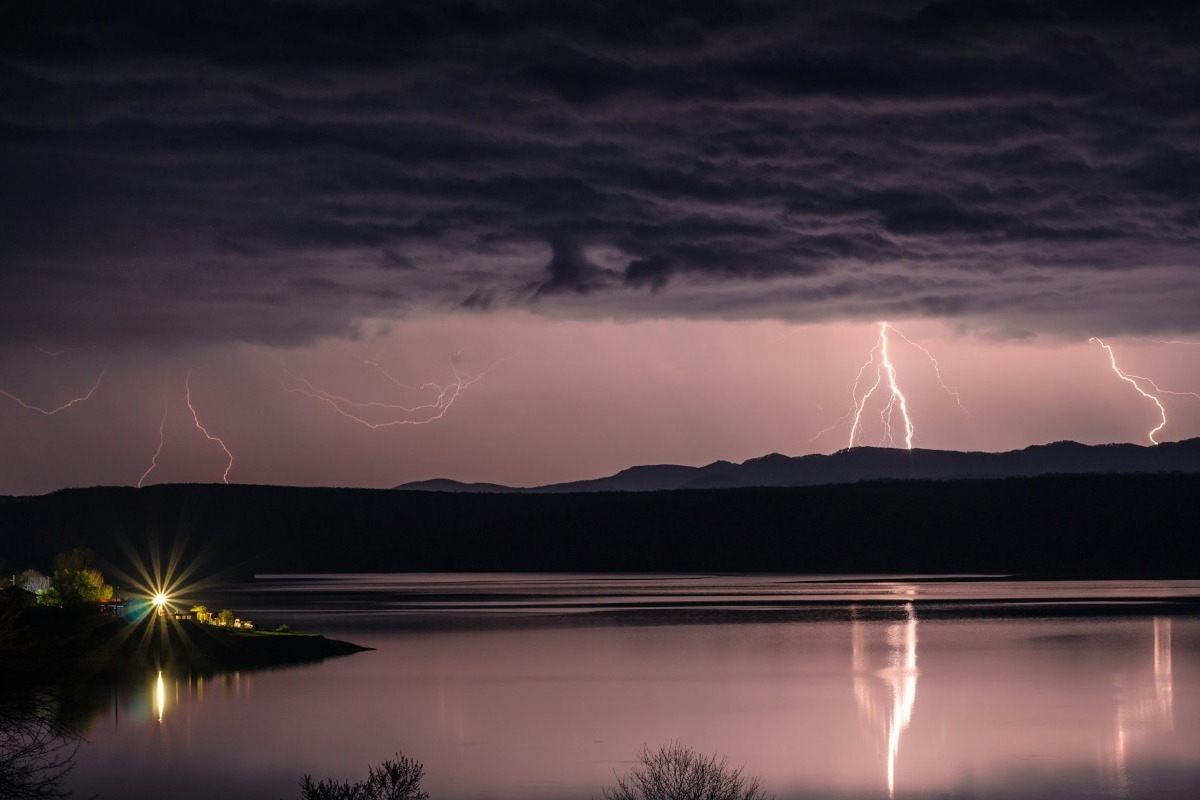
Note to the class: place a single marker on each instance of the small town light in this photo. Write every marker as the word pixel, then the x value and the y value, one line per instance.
pixel 160 602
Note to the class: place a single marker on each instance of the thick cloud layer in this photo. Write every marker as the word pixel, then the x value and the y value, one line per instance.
pixel 278 171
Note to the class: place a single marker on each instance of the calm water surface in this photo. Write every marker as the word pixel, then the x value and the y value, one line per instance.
pixel 543 686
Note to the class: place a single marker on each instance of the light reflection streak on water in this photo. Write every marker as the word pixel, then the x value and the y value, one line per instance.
pixel 899 677
pixel 1144 705
pixel 1164 681
pixel 160 696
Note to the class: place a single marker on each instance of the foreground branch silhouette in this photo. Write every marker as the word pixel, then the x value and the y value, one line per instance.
pixel 677 772
pixel 398 779
pixel 37 750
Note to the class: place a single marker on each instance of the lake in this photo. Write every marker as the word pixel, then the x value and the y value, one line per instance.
pixel 527 686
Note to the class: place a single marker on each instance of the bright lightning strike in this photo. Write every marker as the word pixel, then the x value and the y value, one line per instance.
pixel 388 415
pixel 884 369
pixel 187 383
pixel 49 412
pixel 895 410
pixel 154 460
pixel 1136 382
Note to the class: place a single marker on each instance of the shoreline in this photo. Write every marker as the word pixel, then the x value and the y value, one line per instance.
pixel 50 644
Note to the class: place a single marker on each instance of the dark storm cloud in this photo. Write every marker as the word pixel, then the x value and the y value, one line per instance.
pixel 277 171
pixel 570 271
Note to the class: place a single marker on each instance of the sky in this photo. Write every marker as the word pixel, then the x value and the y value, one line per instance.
pixel 529 242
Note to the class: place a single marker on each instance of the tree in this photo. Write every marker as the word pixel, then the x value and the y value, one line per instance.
pixel 201 613
pixel 677 772
pixel 225 617
pixel 75 560
pixel 76 587
pixel 394 780
pixel 33 581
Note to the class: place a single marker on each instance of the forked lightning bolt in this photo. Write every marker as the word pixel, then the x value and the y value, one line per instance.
pixel 187 383
pixel 49 412
pixel 154 460
pixel 897 403
pixel 1137 381
pixel 896 399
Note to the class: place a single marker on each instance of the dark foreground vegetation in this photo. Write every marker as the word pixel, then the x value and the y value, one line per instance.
pixel 667 772
pixel 1123 526
pixel 37 746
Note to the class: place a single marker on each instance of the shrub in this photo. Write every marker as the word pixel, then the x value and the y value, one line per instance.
pixel 677 772
pixel 77 587
pixel 394 780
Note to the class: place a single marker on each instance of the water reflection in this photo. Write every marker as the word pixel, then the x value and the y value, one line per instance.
pixel 1034 706
pixel 160 696
pixel 886 696
pixel 1145 703
pixel 172 694
pixel 885 675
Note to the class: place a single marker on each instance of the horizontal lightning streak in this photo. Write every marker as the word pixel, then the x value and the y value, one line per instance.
pixel 56 353
pixel 1170 341
pixel 49 412
pixel 445 397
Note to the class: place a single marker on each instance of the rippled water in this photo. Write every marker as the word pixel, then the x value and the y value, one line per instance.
pixel 543 686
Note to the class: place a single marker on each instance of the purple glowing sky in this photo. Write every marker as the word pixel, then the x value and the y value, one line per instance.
pixel 669 233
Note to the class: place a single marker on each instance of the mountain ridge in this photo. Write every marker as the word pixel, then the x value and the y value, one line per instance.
pixel 868 463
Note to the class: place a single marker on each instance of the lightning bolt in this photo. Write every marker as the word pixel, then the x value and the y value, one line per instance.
pixel 1137 381
pixel 1170 341
pixel 937 368
pixel 187 383
pixel 896 399
pixel 56 353
pixel 49 412
pixel 879 360
pixel 374 364
pixel 161 424
pixel 395 414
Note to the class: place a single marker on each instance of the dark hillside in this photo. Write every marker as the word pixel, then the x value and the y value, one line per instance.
pixel 1096 525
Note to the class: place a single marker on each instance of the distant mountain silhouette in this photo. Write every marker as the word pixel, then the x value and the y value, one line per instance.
pixel 871 463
